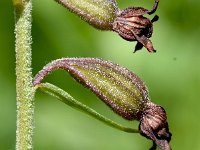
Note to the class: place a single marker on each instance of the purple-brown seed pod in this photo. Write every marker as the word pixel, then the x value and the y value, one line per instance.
pixel 122 90
pixel 129 23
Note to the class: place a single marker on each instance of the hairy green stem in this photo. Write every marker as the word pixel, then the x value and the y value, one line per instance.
pixel 69 100
pixel 24 88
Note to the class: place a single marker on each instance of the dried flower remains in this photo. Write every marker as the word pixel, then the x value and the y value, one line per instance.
pixel 131 25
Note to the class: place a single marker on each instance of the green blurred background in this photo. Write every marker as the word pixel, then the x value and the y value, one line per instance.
pixel 172 76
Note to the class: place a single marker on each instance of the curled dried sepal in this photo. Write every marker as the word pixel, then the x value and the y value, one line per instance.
pixel 98 13
pixel 122 90
pixel 131 25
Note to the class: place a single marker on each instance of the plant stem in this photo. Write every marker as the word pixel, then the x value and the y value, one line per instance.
pixel 24 88
pixel 64 97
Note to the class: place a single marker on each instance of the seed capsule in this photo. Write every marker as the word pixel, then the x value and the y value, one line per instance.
pixel 122 90
pixel 98 13
pixel 130 23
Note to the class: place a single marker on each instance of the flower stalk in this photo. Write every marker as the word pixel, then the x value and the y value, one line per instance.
pixel 64 97
pixel 24 88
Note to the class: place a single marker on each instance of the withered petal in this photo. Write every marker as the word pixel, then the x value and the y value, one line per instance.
pixel 133 11
pixel 138 46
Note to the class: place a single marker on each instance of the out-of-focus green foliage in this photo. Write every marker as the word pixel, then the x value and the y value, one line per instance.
pixel 172 75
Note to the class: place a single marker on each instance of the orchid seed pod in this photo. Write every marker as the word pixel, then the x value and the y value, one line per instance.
pixel 122 90
pixel 98 13
pixel 129 23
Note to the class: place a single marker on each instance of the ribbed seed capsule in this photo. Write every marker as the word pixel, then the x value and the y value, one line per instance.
pixel 98 13
pixel 120 89
pixel 129 23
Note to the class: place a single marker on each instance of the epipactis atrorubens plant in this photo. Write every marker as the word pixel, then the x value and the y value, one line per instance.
pixel 129 23
pixel 122 90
